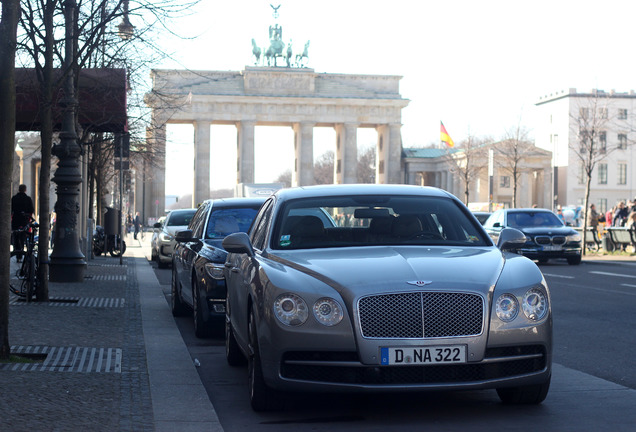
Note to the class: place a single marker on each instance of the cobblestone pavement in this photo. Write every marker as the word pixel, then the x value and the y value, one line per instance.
pixel 93 372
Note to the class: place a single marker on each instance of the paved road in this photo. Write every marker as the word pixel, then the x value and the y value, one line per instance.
pixel 593 387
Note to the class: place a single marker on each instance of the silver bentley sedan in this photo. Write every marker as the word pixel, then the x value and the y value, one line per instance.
pixel 378 288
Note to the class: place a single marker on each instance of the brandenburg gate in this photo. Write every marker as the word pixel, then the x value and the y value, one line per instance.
pixel 295 97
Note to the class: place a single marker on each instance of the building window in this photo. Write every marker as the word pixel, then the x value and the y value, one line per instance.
pixel 602 113
pixel 622 113
pixel 622 173
pixel 602 138
pixel 504 181
pixel 622 141
pixel 602 205
pixel 581 176
pixel 584 113
pixel 602 173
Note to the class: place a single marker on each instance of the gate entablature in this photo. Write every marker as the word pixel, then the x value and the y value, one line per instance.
pixel 300 98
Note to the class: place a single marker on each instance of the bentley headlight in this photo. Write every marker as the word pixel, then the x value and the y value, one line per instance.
pixel 327 311
pixel 573 238
pixel 507 307
pixel 215 271
pixel 291 310
pixel 535 304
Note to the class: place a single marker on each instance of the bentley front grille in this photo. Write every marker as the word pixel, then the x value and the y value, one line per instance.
pixel 421 315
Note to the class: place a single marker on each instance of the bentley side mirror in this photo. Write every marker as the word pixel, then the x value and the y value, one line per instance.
pixel 238 243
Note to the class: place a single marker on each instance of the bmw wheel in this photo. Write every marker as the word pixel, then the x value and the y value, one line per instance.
pixel 176 305
pixel 201 328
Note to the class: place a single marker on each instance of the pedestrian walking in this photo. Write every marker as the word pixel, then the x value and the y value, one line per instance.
pixel 21 213
pixel 137 224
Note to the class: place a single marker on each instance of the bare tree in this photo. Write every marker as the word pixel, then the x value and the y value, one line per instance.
pixel 592 119
pixel 366 166
pixel 323 168
pixel 510 153
pixel 465 160
pixel 95 44
pixel 8 31
pixel 284 178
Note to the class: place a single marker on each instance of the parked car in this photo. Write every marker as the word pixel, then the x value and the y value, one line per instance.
pixel 176 221
pixel 401 289
pixel 482 216
pixel 154 240
pixel 547 236
pixel 198 284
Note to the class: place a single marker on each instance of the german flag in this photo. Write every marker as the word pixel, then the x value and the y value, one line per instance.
pixel 446 139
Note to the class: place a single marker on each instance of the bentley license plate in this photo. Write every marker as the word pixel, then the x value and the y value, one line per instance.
pixel 407 356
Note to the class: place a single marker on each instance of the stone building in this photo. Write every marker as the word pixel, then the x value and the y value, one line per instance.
pixel 437 167
pixel 562 117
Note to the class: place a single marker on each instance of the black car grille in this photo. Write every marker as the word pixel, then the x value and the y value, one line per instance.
pixel 549 240
pixel 421 315
pixel 306 367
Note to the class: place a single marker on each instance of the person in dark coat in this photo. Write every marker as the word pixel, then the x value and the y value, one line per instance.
pixel 137 223
pixel 21 213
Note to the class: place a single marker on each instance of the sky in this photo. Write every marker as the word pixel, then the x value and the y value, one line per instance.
pixel 478 66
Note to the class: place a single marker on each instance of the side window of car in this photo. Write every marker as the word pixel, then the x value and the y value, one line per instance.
pixel 259 233
pixel 196 225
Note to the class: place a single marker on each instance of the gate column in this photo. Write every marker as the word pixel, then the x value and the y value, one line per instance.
pixel 245 152
pixel 346 163
pixel 201 162
pixel 304 148
pixel 389 154
pixel 155 205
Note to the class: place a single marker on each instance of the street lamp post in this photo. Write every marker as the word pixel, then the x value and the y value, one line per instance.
pixel 67 262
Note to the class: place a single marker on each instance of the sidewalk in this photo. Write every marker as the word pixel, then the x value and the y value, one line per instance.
pixel 113 358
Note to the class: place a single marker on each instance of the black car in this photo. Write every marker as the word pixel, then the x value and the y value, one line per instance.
pixel 198 260
pixel 546 235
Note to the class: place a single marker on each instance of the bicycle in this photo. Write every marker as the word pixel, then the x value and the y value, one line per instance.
pixel 27 274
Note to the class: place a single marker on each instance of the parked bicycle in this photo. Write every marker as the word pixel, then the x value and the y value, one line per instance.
pixel 27 274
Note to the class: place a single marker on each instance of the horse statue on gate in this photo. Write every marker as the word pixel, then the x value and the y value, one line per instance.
pixel 256 52
pixel 301 59
pixel 276 45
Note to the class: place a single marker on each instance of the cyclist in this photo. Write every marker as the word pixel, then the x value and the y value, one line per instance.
pixel 21 213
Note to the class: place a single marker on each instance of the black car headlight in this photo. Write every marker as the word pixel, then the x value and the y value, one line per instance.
pixel 573 238
pixel 215 271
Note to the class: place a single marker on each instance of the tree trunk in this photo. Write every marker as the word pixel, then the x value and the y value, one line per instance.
pixel 8 31
pixel 586 205
pixel 46 136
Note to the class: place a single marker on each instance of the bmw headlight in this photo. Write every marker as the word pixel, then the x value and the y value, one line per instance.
pixel 573 238
pixel 327 311
pixel 535 304
pixel 507 307
pixel 215 271
pixel 290 309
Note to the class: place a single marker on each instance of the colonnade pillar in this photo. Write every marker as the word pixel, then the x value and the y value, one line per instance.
pixel 245 152
pixel 346 163
pixel 155 177
pixel 304 154
pixel 201 190
pixel 389 154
